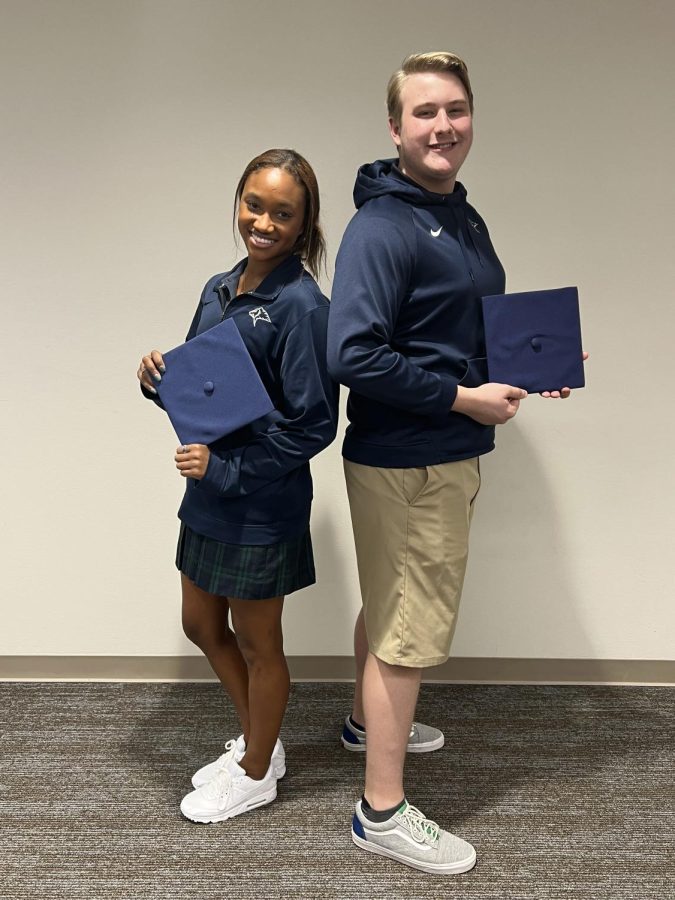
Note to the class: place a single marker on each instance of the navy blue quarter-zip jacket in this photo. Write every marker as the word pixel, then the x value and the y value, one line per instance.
pixel 257 488
pixel 406 326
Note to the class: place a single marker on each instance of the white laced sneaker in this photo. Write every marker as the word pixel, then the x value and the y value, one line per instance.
pixel 229 793
pixel 234 750
pixel 413 840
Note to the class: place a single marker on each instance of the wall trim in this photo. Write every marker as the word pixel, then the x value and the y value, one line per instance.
pixel 467 670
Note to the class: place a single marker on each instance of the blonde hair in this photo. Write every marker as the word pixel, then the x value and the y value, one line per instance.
pixel 435 61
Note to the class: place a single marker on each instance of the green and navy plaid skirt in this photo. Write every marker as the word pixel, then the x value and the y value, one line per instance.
pixel 245 571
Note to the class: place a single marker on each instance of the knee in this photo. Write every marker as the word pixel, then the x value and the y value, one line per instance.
pixel 193 627
pixel 259 648
pixel 203 632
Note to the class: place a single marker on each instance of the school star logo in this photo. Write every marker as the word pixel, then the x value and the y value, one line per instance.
pixel 259 314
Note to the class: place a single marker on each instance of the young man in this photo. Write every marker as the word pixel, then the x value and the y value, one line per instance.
pixel 406 336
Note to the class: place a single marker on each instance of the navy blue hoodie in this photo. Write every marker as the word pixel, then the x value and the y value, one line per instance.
pixel 406 326
pixel 258 488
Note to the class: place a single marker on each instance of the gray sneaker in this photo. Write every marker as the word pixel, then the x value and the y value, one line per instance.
pixel 422 739
pixel 411 839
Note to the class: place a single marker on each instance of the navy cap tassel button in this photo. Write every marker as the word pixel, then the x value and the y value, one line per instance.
pixel 535 343
pixel 208 387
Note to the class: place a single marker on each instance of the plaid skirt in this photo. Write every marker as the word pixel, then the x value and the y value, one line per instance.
pixel 245 571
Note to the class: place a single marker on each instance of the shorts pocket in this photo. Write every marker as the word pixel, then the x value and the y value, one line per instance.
pixel 414 482
pixel 476 491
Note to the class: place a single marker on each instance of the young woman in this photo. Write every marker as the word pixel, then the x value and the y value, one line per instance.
pixel 244 541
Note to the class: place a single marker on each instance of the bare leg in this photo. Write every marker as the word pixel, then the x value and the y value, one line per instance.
pixel 360 656
pixel 205 622
pixel 257 625
pixel 389 696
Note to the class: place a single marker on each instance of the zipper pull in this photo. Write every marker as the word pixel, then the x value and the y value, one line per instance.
pixel 220 290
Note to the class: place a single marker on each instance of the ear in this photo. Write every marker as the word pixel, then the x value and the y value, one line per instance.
pixel 395 132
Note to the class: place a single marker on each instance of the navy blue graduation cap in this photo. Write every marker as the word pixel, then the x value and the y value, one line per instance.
pixel 533 339
pixel 211 387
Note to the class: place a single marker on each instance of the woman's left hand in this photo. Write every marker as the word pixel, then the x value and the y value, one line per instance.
pixel 192 460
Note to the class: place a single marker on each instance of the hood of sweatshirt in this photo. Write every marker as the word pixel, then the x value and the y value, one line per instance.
pixel 383 177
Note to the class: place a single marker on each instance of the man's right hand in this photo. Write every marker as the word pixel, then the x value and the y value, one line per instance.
pixel 151 370
pixel 489 404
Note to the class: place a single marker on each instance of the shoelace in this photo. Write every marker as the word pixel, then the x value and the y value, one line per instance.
pixel 218 787
pixel 421 829
pixel 230 748
pixel 413 729
pixel 223 760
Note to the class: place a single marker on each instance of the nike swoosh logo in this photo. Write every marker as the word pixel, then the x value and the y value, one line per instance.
pixel 435 233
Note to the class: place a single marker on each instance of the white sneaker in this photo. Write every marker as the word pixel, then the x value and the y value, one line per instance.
pixel 229 793
pixel 234 750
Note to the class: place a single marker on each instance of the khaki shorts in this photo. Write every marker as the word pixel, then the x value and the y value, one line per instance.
pixel 411 531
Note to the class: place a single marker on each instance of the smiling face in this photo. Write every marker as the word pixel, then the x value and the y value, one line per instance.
pixel 435 133
pixel 271 216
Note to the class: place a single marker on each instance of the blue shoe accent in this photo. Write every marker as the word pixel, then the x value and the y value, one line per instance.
pixel 349 736
pixel 357 828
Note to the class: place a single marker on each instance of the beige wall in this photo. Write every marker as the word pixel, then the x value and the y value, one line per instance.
pixel 125 126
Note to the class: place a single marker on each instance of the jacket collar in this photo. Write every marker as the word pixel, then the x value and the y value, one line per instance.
pixel 270 287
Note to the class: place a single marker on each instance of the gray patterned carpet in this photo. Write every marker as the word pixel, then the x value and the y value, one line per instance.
pixel 567 793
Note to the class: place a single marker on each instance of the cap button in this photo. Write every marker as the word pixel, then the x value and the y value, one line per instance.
pixel 208 387
pixel 535 343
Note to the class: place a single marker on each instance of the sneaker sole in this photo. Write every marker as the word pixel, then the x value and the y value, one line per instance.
pixel 244 806
pixel 279 772
pixel 455 868
pixel 353 748
pixel 429 747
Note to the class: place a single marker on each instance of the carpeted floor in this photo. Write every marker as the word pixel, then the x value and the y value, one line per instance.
pixel 566 792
